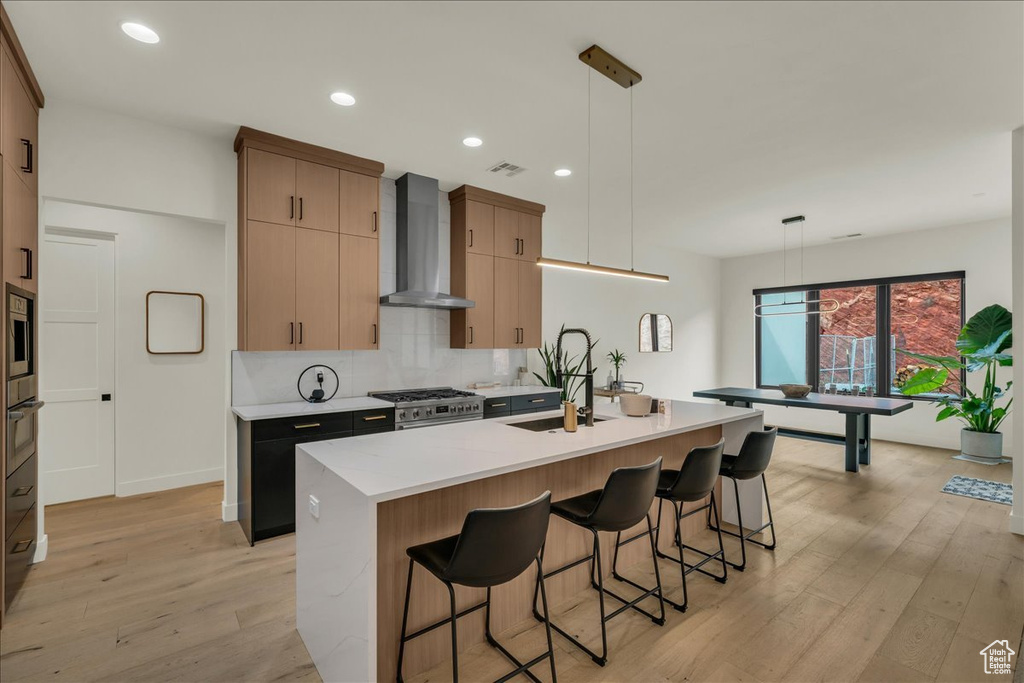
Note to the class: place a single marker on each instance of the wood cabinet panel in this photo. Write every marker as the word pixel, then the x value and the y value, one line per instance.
pixel 270 196
pixel 529 237
pixel 479 228
pixel 316 290
pixel 270 287
pixel 19 121
pixel 480 319
pixel 530 278
pixel 506 303
pixel 316 189
pixel 360 199
pixel 20 231
pixel 359 289
pixel 506 233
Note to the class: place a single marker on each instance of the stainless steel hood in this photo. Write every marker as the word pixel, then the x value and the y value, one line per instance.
pixel 419 270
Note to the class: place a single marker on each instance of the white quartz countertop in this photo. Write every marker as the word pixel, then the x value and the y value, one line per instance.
pixel 514 391
pixel 269 411
pixel 403 463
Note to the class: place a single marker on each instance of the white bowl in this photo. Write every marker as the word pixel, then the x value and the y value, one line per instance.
pixel 635 405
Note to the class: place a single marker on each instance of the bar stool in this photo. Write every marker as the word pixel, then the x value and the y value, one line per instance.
pixel 751 462
pixel 624 502
pixel 694 482
pixel 494 547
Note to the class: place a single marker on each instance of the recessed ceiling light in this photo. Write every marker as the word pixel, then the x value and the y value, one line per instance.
pixel 562 172
pixel 472 142
pixel 143 34
pixel 343 98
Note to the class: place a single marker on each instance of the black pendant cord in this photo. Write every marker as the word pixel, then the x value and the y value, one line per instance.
pixel 590 108
pixel 631 240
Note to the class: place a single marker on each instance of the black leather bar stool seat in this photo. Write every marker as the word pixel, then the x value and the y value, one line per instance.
pixel 495 546
pixel 624 502
pixel 694 482
pixel 751 462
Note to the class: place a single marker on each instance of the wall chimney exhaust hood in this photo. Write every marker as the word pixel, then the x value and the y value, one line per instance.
pixel 418 244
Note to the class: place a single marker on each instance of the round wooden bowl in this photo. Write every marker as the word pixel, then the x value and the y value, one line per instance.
pixel 795 390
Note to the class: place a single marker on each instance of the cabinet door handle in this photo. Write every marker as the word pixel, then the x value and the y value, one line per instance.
pixel 471 237
pixel 374 333
pixel 27 168
pixel 311 425
pixel 28 263
pixel 300 208
pixel 291 211
pixel 22 491
pixel 538 400
pixel 470 334
pixel 300 331
pixel 374 221
pixel 291 333
pixel 371 418
pixel 497 405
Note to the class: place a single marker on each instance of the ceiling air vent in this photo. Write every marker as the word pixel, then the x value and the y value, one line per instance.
pixel 847 237
pixel 511 170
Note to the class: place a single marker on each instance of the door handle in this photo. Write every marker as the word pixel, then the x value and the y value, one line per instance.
pixel 471 237
pixel 470 334
pixel 291 211
pixel 522 247
pixel 300 208
pixel 311 425
pixel 28 263
pixel 300 324
pixel 22 491
pixel 291 333
pixel 374 333
pixel 27 168
pixel 374 221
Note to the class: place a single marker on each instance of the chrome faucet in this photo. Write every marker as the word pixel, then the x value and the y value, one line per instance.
pixel 561 374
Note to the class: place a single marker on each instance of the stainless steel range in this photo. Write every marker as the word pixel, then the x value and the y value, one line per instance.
pixel 426 407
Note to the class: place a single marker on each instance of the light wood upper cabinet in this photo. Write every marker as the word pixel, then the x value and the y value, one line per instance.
pixel 319 202
pixel 506 232
pixel 360 203
pixel 530 302
pixel 19 120
pixel 316 300
pixel 270 287
pixel 480 319
pixel 479 225
pixel 305 281
pixel 20 231
pixel 271 188
pixel 529 237
pixel 506 303
pixel 359 292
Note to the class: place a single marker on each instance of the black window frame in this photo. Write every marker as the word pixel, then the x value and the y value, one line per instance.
pixel 883 302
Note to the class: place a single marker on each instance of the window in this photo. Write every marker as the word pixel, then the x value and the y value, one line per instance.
pixel 855 342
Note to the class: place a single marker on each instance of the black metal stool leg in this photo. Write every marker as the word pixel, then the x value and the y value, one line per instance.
pixel 678 512
pixel 405 623
pixel 603 659
pixel 718 529
pixel 739 518
pixel 455 635
pixel 768 503
pixel 547 622
pixel 657 572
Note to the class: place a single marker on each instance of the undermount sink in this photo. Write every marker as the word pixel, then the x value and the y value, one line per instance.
pixel 548 423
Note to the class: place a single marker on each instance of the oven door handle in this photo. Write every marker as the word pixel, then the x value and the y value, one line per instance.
pixel 27 409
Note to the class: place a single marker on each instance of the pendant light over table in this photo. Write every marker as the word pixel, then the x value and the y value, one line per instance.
pixel 812 307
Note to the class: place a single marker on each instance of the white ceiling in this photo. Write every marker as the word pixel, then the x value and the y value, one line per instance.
pixel 871 117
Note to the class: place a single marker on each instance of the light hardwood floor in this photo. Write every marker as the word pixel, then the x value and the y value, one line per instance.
pixel 878 577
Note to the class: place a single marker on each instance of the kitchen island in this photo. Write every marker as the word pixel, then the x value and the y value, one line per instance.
pixel 360 502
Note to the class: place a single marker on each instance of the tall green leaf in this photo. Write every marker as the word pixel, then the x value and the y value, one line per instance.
pixel 990 326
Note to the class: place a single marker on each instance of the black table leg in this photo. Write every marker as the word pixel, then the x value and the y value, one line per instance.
pixel 853 424
pixel 865 435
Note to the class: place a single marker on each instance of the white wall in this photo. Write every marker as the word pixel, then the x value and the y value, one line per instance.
pixel 97 157
pixel 982 250
pixel 167 409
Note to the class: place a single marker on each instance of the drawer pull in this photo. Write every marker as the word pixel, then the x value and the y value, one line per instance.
pixel 498 405
pixel 22 491
pixel 538 400
pixel 22 546
pixel 311 425
pixel 371 418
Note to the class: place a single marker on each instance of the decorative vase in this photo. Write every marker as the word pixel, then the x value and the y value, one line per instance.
pixel 982 445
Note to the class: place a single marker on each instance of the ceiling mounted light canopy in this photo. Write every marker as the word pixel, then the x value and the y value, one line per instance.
pixel 607 65
pixel 811 307
pixel 343 99
pixel 143 34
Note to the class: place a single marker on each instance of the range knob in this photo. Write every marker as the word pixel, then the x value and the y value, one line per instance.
pixel 430 411
pixel 416 413
pixel 401 415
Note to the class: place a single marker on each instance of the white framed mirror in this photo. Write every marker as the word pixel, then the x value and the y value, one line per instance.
pixel 175 322
pixel 655 333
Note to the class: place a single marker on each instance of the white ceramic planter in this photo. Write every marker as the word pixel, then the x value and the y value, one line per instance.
pixel 982 445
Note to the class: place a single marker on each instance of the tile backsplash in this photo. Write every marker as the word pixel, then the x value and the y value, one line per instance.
pixel 414 343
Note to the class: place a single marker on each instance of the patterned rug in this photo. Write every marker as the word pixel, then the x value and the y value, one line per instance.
pixel 982 489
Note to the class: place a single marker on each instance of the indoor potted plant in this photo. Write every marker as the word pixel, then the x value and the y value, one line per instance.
pixel 618 359
pixel 982 343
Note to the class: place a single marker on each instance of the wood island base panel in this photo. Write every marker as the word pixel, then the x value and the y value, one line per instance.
pixel 362 501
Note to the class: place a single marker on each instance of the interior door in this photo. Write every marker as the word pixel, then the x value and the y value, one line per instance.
pixel 359 303
pixel 270 287
pixel 480 288
pixel 506 303
pixel 316 290
pixel 316 186
pixel 529 304
pixel 359 204
pixel 76 343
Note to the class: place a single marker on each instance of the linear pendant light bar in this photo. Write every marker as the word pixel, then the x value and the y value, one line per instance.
pixel 600 270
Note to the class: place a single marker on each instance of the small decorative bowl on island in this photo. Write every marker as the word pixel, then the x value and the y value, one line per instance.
pixel 795 390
